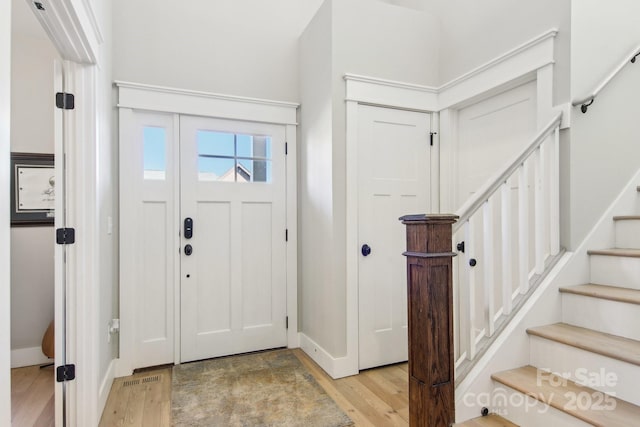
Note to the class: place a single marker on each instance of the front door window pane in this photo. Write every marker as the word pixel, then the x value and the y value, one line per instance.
pixel 232 157
pixel 154 152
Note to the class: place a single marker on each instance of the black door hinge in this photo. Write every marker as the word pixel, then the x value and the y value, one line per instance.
pixel 286 235
pixel 431 137
pixel 65 236
pixel 65 101
pixel 286 322
pixel 65 373
pixel 286 148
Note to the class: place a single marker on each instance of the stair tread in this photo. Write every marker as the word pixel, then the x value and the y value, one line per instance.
pixel 620 348
pixel 612 293
pixel 570 397
pixel 491 420
pixel 626 217
pixel 633 253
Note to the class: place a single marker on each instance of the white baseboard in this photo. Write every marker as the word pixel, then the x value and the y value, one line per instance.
pixel 30 356
pixel 105 385
pixel 336 367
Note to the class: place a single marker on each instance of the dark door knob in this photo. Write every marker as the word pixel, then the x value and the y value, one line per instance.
pixel 188 250
pixel 366 250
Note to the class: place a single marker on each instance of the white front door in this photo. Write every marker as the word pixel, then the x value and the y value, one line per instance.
pixel 394 180
pixel 229 285
pixel 232 275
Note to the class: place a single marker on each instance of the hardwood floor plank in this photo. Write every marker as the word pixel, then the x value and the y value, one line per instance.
pixel 116 407
pixel 31 398
pixel 157 394
pixel 47 418
pixel 385 390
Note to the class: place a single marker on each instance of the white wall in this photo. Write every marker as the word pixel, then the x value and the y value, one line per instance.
pixel 237 47
pixel 5 297
pixel 474 32
pixel 32 271
pixel 604 142
pixel 602 35
pixel 318 294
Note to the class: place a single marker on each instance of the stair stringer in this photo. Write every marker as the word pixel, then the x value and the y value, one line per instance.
pixel 511 349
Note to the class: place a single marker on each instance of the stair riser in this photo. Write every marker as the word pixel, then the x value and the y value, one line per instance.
pixel 533 413
pixel 619 378
pixel 623 272
pixel 611 317
pixel 628 234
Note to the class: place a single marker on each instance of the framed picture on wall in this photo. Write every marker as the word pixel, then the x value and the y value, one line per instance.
pixel 32 189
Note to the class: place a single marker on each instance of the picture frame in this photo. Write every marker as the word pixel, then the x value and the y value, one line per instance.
pixel 32 189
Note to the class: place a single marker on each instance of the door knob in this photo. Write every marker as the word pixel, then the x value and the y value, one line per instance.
pixel 188 250
pixel 366 250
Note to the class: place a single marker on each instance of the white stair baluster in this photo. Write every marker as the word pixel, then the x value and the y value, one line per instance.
pixel 507 258
pixel 471 292
pixel 488 267
pixel 539 211
pixel 554 194
pixel 523 227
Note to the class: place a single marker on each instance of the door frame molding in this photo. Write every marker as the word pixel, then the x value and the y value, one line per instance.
pixel 5 231
pixel 136 96
pixel 385 94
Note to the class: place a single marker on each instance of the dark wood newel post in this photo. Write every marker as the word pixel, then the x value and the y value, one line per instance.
pixel 430 298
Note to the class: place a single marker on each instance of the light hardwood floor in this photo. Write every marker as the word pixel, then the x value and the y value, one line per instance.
pixel 32 401
pixel 376 397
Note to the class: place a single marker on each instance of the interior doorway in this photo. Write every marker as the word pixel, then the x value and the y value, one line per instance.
pixel 36 72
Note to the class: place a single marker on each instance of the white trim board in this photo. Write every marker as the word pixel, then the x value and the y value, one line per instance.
pixel 336 367
pixel 513 66
pixel 30 356
pixel 65 25
pixel 105 385
pixel 171 100
pixel 5 236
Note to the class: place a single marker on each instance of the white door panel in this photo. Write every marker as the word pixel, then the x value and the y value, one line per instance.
pixel 490 133
pixel 233 286
pixel 148 174
pixel 394 170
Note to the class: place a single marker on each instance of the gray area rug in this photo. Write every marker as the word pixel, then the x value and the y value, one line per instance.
pixel 259 389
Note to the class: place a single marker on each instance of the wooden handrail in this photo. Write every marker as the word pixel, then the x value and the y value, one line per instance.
pixel 482 195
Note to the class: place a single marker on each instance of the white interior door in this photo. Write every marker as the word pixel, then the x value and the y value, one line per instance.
pixel 394 179
pixel 233 267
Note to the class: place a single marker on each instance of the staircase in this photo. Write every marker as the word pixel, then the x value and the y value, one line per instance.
pixel 584 371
